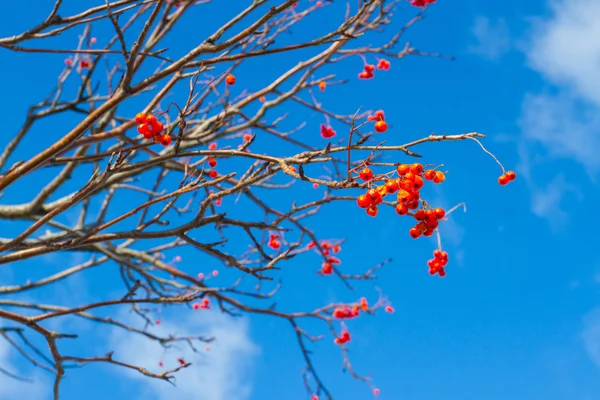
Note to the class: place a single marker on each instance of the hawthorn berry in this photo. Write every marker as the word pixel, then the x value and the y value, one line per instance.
pixel 380 126
pixel 389 309
pixel 363 201
pixel 439 177
pixel 416 168
pixel 383 64
pixel 511 175
pixel 429 174
pixel 439 213
pixel 503 180
pixel 403 169
pixel 165 140
pixel 322 86
pixel 326 269
pixel 140 118
pixel 230 79
pixel 212 174
pixel 212 146
pixel 391 186
pixel 401 209
pixel 372 211
pixel 212 162
pixel 414 233
pixel 327 131
pixel 366 174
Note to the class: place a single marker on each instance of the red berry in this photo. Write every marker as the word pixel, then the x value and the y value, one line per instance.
pixel 380 126
pixel 143 129
pixel 414 233
pixel 140 118
pixel 369 68
pixel 366 174
pixel 403 169
pixel 212 174
pixel 401 209
pixel 416 169
pixel 511 175
pixel 439 177
pixel 391 186
pixel 372 210
pixel 430 174
pixel 212 162
pixel 439 213
pixel 230 79
pixel 503 180
pixel 165 140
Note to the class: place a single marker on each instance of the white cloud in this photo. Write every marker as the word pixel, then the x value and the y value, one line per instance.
pixel 563 121
pixel 223 373
pixel 546 202
pixel 591 335
pixel 564 48
pixel 38 385
pixel 492 38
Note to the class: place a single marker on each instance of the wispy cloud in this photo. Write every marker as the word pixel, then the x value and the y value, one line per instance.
pixel 563 121
pixel 222 373
pixel 591 335
pixel 38 386
pixel 492 38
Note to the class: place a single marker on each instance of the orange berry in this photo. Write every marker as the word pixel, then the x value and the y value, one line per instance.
pixel 503 180
pixel 366 174
pixel 380 126
pixel 430 174
pixel 140 118
pixel 416 169
pixel 322 86
pixel 511 175
pixel 230 79
pixel 439 177
pixel 372 210
pixel 403 169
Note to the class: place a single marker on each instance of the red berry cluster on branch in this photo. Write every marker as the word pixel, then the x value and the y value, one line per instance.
pixel 422 3
pixel 204 305
pixel 437 264
pixel 274 242
pixel 152 128
pixel 428 221
pixel 507 177
pixel 343 338
pixel 327 131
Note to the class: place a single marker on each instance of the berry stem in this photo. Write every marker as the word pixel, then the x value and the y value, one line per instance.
pixel 490 154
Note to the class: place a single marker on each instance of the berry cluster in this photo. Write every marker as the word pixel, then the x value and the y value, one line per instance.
pixel 274 242
pixel 428 221
pixel 407 187
pixel 507 177
pixel 367 72
pixel 421 3
pixel 380 124
pixel 383 64
pixel 327 131
pixel 204 305
pixel 152 128
pixel 437 264
pixel 343 338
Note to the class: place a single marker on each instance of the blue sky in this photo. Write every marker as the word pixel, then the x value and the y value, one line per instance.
pixel 518 315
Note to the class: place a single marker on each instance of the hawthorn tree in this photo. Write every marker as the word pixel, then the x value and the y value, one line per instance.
pixel 176 135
